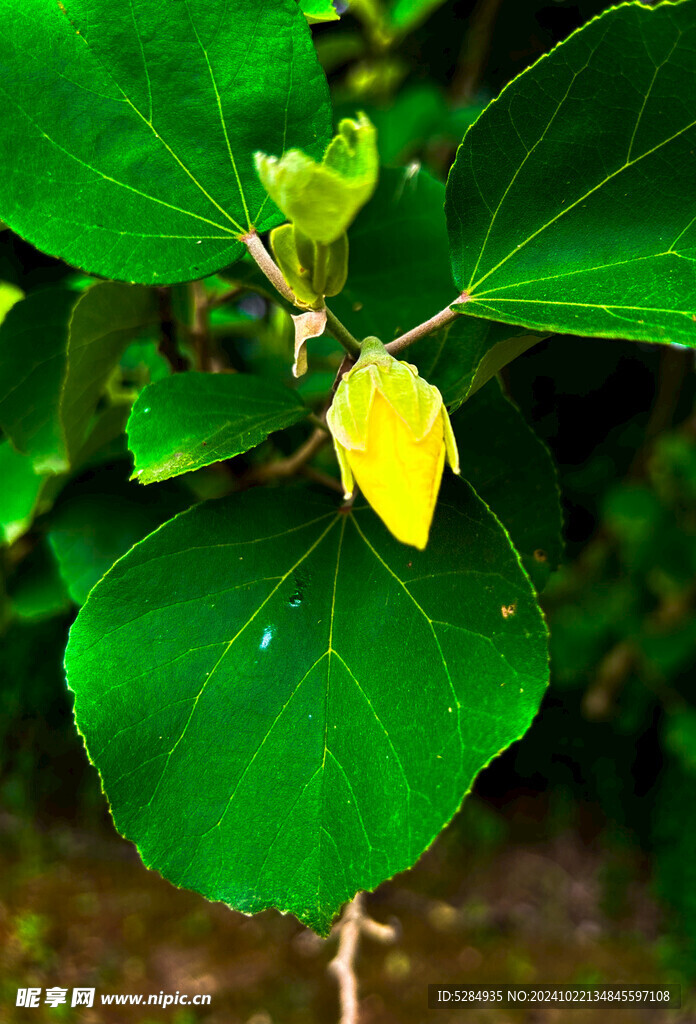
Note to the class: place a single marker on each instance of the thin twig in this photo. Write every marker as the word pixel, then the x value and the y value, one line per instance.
pixel 200 332
pixel 167 345
pixel 435 323
pixel 475 51
pixel 283 468
pixel 270 269
pixel 342 334
pixel 352 925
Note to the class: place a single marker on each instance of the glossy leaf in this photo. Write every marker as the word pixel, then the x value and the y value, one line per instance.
pixel 191 420
pixel 399 271
pixel 19 493
pixel 249 683
pixel 57 350
pixel 571 205
pixel 129 136
pixel 512 471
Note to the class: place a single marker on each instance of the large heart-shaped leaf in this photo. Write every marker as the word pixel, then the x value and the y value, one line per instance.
pixel 128 130
pixel 191 420
pixel 286 705
pixel 571 204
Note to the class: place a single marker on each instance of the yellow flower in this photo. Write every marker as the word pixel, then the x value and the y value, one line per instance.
pixel 391 432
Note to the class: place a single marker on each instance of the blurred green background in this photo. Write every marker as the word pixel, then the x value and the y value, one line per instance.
pixel 575 858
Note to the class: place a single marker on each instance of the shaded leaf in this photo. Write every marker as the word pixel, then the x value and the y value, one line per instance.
pixel 399 272
pixel 33 344
pixel 512 471
pixel 90 531
pixel 19 493
pixel 104 322
pixel 249 682
pixel 405 15
pixel 573 215
pixel 57 350
pixel 129 136
pixel 465 355
pixel 191 420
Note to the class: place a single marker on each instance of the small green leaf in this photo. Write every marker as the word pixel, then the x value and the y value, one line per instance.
pixel 128 136
pixel 9 295
pixel 57 349
pixel 249 681
pixel 33 343
pixel 38 591
pixel 104 322
pixel 19 493
pixel 571 204
pixel 191 420
pixel 399 270
pixel 318 10
pixel 512 471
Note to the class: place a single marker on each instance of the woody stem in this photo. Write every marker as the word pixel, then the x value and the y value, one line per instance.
pixel 435 323
pixel 267 265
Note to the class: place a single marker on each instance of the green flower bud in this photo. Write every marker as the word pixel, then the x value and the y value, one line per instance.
pixel 323 199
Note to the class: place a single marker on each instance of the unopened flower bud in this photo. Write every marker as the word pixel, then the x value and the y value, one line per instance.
pixel 322 199
pixel 391 432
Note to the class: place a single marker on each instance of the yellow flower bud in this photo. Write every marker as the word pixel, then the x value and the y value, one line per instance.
pixel 391 432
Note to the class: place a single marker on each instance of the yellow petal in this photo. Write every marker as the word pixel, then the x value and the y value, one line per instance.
pixel 399 476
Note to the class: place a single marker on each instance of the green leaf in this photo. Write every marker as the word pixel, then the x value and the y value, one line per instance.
pixel 128 136
pixel 318 10
pixel 249 683
pixel 37 590
pixel 33 343
pixel 399 272
pixel 571 204
pixel 464 356
pixel 105 320
pixel 191 420
pixel 90 531
pixel 512 471
pixel 9 295
pixel 405 15
pixel 57 350
pixel 19 493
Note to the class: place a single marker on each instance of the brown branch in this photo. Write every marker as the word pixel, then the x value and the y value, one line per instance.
pixel 270 269
pixel 435 323
pixel 352 925
pixel 281 469
pixel 200 331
